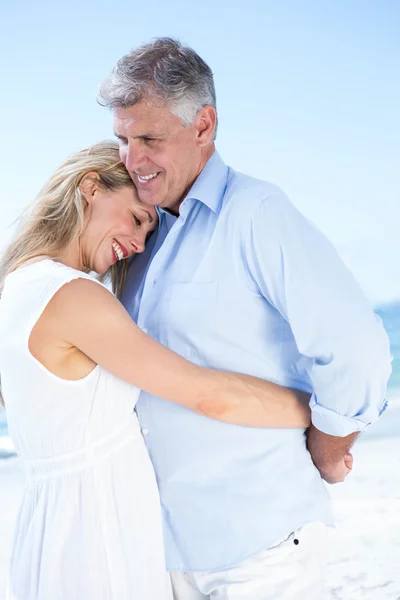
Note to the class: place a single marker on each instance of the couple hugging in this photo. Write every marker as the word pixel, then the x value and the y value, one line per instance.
pixel 176 433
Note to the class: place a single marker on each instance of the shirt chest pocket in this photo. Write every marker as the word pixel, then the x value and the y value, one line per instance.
pixel 187 318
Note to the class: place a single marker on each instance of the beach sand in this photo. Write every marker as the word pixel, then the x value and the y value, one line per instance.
pixel 364 547
pixel 365 552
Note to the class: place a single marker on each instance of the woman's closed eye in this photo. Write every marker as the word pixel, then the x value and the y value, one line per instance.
pixel 137 221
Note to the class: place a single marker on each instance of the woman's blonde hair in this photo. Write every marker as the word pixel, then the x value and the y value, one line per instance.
pixel 57 217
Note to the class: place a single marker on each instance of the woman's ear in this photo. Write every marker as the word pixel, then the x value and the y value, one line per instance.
pixel 89 185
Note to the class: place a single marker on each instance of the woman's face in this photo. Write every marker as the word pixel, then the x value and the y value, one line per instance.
pixel 118 225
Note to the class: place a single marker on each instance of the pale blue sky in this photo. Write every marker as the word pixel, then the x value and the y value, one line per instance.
pixel 308 96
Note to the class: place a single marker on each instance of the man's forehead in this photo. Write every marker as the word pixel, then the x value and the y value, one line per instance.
pixel 130 120
pixel 124 119
pixel 120 125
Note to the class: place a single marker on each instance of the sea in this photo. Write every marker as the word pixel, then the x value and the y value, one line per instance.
pixel 387 426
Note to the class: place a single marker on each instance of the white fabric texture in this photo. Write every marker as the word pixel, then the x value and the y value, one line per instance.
pixel 287 571
pixel 89 527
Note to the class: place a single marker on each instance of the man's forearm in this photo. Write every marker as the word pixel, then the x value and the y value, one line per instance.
pixel 328 453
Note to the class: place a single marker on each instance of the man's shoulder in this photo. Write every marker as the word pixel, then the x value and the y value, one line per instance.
pixel 245 191
pixel 241 182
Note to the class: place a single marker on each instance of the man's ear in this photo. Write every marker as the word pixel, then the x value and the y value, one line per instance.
pixel 89 185
pixel 206 122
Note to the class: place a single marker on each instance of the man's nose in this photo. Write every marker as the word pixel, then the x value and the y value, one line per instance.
pixel 135 156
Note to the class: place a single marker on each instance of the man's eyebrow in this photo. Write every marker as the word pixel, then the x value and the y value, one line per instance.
pixel 142 136
pixel 153 136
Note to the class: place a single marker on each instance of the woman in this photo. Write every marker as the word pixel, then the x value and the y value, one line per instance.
pixel 72 363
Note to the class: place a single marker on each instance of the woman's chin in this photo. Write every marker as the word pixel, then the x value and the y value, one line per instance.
pixel 102 266
pixel 101 269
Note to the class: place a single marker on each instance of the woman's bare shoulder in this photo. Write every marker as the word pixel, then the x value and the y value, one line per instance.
pixel 83 297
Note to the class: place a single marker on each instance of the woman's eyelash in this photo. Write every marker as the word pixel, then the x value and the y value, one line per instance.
pixel 137 221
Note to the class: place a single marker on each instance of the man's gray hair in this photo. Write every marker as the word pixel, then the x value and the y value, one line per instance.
pixel 161 71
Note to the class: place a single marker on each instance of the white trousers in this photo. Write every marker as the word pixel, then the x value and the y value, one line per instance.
pixel 291 570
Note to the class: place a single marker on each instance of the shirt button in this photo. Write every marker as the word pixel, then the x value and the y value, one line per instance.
pixel 145 431
pixel 144 329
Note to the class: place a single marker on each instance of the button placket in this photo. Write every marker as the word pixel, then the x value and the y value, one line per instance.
pixel 160 261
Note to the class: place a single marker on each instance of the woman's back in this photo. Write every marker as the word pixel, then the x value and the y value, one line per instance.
pixel 89 525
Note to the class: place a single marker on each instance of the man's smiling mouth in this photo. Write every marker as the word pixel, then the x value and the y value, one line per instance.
pixel 146 178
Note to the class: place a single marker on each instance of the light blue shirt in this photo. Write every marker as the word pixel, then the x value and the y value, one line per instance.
pixel 242 281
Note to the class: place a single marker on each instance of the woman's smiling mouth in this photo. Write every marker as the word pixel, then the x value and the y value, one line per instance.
pixel 120 252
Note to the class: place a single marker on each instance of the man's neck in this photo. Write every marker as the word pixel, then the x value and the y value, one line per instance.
pixel 206 155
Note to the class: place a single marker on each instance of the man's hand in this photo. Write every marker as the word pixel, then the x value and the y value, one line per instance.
pixel 331 454
pixel 336 473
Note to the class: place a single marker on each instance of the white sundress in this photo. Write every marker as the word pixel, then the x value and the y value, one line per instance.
pixel 89 527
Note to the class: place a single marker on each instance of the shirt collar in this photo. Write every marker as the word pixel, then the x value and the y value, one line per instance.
pixel 209 187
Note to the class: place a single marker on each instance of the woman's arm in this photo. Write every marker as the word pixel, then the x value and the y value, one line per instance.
pixel 90 318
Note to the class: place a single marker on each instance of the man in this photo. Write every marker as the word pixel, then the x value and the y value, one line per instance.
pixel 237 278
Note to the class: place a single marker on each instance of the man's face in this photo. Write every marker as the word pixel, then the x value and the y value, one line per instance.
pixel 162 156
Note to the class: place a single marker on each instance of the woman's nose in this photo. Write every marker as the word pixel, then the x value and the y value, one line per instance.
pixel 139 242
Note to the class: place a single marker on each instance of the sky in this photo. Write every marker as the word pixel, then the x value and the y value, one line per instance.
pixel 308 97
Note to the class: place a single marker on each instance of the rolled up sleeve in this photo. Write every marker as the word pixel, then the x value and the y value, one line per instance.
pixel 334 326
